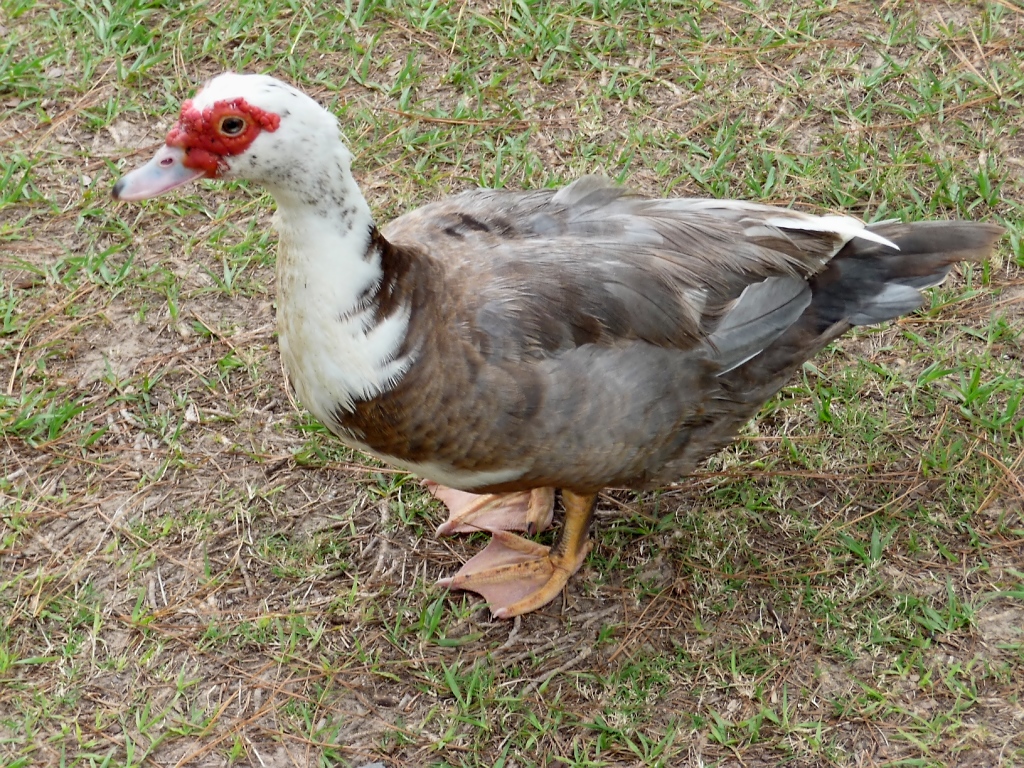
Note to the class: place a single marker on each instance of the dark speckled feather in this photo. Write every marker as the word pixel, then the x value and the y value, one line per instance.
pixel 586 337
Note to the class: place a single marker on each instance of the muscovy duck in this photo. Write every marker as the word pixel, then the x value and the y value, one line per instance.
pixel 505 344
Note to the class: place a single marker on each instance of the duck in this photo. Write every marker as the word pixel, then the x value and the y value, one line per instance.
pixel 511 346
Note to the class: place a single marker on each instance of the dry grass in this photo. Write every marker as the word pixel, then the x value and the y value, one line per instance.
pixel 194 573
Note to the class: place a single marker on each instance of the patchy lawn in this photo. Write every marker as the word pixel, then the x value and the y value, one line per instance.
pixel 192 572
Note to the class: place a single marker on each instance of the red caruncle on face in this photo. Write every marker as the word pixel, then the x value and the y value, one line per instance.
pixel 224 129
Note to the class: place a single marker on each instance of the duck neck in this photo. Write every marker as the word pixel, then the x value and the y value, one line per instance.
pixel 341 331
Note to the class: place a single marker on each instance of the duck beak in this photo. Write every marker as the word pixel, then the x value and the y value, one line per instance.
pixel 164 172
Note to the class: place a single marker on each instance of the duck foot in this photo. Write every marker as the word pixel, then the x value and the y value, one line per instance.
pixel 515 575
pixel 529 511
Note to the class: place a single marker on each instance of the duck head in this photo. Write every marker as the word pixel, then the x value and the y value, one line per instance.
pixel 238 126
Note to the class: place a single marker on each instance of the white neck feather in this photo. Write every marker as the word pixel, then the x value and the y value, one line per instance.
pixel 334 349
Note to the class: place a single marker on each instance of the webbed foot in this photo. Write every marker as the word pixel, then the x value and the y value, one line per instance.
pixel 515 575
pixel 529 511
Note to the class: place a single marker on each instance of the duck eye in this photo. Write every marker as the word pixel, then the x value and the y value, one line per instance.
pixel 232 125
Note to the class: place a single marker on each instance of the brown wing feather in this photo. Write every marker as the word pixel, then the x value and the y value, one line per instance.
pixel 586 337
pixel 542 272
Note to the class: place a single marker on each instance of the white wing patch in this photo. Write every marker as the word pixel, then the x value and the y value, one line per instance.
pixel 846 227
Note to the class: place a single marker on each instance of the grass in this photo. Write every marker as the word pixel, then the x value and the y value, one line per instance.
pixel 194 573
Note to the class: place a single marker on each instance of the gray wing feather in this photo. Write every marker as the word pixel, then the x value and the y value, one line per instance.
pixel 541 272
pixel 762 313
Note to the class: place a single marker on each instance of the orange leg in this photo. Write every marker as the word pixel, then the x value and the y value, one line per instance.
pixel 516 575
pixel 529 511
